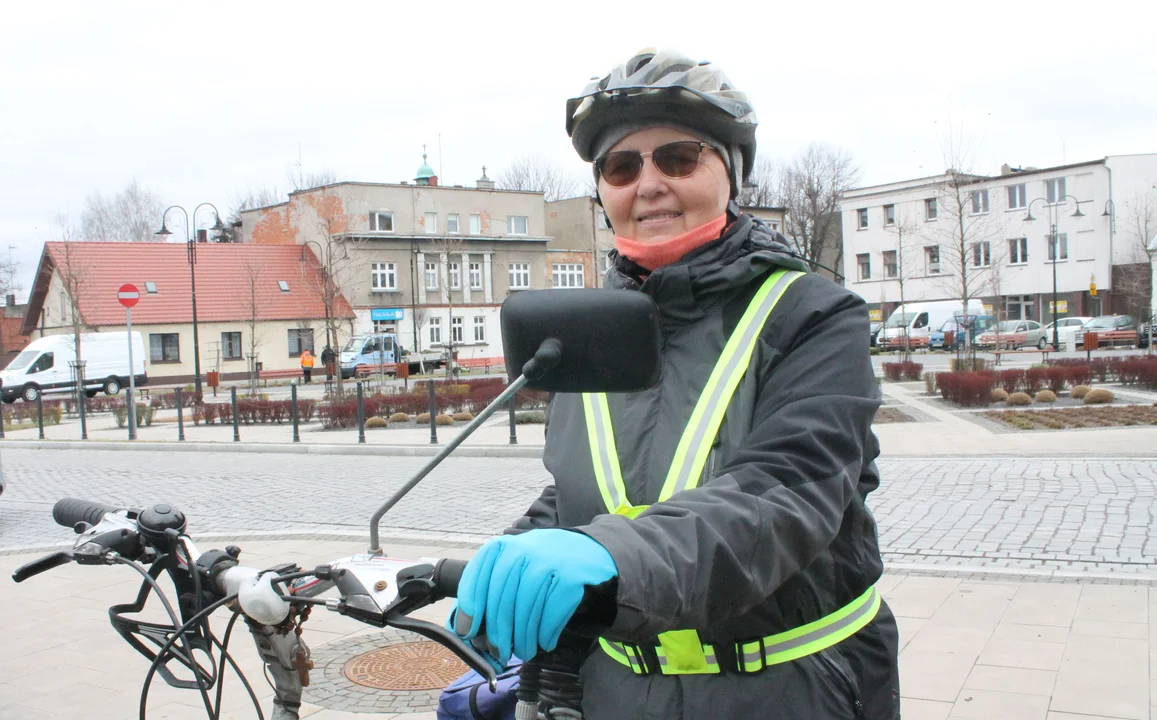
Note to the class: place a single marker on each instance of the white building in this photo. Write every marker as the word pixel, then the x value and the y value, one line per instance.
pixel 947 233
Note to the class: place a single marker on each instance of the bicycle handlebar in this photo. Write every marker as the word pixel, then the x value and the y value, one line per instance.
pixel 70 511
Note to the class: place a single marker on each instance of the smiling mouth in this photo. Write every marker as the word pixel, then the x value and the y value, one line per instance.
pixel 658 217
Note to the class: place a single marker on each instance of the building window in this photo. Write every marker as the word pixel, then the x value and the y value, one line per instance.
pixel 475 276
pixel 979 202
pixel 891 268
pixel 475 224
pixel 479 329
pixel 516 225
pixel 1017 251
pixel 519 276
pixel 452 223
pixel 606 256
pixel 930 209
pixel 384 326
pixel 864 260
pixel 435 331
pixel 230 346
pixel 1063 241
pixel 1054 190
pixel 981 254
pixel 601 221
pixel 165 348
pixel 431 276
pixel 431 223
pixel 456 329
pixel 300 339
pixel 282 286
pixel 1017 198
pixel 151 287
pixel 455 276
pixel 567 275
pixel 381 222
pixel 383 276
pixel 932 259
pixel 889 214
pixel 862 219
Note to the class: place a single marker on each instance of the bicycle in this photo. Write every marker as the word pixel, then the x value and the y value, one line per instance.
pixel 372 588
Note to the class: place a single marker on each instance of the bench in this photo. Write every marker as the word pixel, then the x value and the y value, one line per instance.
pixel 267 375
pixel 1044 353
pixel 1110 338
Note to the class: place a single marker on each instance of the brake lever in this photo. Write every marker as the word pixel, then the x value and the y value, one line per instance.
pixel 43 564
pixel 449 640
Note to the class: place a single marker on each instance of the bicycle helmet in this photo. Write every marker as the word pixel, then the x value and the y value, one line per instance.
pixel 665 87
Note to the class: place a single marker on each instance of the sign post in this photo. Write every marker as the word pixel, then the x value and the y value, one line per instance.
pixel 129 296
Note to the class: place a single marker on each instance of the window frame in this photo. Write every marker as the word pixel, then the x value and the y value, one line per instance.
pixel 457 330
pixel 375 223
pixel 864 265
pixel 226 345
pixel 979 199
pixel 431 272
pixel 510 222
pixel 475 272
pixel 479 328
pixel 452 224
pixel 298 334
pixel 454 274
pixel 1018 251
pixel 475 224
pixel 430 223
pixel 164 350
pixel 1017 191
pixel 892 269
pixel 889 215
pixel 386 271
pixel 1062 244
pixel 520 270
pixel 980 250
pixel 434 330
pixel 862 219
pixel 932 267
pixel 1055 189
pixel 569 273
pixel 931 210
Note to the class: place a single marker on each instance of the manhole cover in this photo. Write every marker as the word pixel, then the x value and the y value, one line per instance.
pixel 409 666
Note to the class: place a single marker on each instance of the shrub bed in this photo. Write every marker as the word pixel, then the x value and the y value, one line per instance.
pixel 1067 418
pixel 1019 398
pixel 897 371
pixel 1045 396
pixel 969 389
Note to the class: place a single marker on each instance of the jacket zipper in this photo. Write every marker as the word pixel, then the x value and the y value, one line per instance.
pixel 849 683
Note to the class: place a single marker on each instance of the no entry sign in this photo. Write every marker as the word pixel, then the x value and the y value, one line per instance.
pixel 128 295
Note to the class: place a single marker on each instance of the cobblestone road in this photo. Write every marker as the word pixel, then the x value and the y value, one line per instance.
pixel 1084 515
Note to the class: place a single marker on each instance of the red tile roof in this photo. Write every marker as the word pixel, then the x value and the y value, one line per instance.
pixel 223 275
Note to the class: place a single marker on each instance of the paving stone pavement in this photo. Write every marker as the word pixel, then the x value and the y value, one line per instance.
pixel 1030 514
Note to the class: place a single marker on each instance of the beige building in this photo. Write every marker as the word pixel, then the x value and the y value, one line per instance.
pixel 429 262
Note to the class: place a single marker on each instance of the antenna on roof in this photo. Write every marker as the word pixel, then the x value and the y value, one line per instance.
pixel 441 177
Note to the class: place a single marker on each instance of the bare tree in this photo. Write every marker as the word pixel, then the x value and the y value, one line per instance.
pixel 252 278
pixel 129 216
pixel 764 186
pixel 449 250
pixel 536 174
pixel 310 179
pixel 810 189
pixel 73 274
pixel 1135 280
pixel 905 230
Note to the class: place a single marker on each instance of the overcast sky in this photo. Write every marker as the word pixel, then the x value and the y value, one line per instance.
pixel 198 101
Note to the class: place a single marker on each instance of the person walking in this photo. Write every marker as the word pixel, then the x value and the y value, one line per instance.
pixel 329 362
pixel 307 365
pixel 725 508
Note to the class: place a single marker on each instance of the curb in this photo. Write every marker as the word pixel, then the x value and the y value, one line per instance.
pixel 492 451
pixel 981 572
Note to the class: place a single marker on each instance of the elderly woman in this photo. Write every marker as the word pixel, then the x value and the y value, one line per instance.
pixel 726 507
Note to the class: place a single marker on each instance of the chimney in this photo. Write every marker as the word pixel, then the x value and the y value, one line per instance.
pixel 202 235
pixel 484 183
pixel 1005 169
pixel 432 181
pixel 10 299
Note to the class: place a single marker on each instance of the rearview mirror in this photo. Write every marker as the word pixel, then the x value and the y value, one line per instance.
pixel 608 339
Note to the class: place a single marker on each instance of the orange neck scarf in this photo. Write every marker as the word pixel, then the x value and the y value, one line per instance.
pixel 654 255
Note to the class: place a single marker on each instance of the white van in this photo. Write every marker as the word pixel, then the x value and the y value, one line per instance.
pixel 44 366
pixel 920 319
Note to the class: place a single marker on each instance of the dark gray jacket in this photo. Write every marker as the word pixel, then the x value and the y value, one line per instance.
pixel 777 534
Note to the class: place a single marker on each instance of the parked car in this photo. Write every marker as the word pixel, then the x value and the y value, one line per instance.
pixel 1144 332
pixel 915 321
pixel 1066 326
pixel 873 331
pixel 1109 324
pixel 977 324
pixel 1013 334
pixel 45 366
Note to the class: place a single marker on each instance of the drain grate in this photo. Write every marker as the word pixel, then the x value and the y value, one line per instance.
pixel 409 666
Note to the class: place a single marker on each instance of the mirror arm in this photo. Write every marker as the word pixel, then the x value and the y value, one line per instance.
pixel 556 349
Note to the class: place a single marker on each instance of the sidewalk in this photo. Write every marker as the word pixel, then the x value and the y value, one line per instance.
pixel 970 648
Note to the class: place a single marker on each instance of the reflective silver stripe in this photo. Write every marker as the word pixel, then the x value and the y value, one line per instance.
pixel 771 649
pixel 685 469
pixel 608 462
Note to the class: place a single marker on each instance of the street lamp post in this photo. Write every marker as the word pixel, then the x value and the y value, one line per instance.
pixel 1053 209
pixel 325 277
pixel 191 241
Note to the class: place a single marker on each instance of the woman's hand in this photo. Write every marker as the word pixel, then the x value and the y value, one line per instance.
pixel 526 587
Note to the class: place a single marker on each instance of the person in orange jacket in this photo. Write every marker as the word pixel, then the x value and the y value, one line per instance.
pixel 306 365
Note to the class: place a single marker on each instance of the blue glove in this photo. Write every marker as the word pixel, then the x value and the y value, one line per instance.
pixel 527 587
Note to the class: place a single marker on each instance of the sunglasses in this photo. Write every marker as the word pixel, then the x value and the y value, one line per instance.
pixel 675 160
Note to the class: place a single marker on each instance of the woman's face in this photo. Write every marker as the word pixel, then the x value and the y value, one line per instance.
pixel 656 207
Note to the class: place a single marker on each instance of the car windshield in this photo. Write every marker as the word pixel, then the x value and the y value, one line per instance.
pixel 354 344
pixel 949 325
pixel 1104 322
pixel 1008 325
pixel 900 319
pixel 22 360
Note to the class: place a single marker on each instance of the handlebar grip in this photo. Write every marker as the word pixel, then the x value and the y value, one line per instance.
pixel 70 511
pixel 447 575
